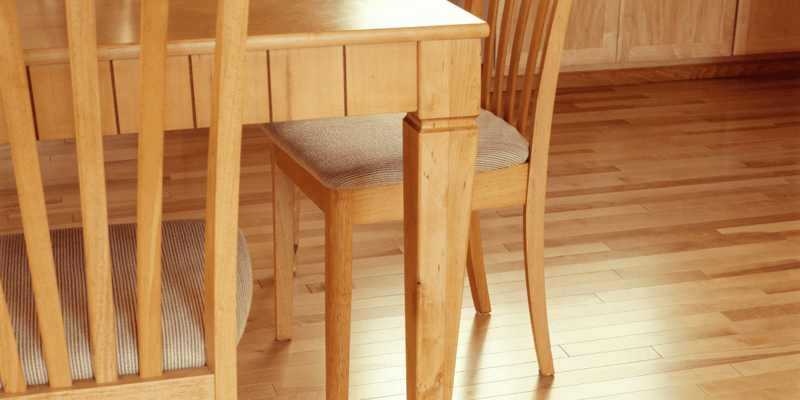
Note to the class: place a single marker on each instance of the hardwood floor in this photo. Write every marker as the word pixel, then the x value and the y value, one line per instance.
pixel 673 254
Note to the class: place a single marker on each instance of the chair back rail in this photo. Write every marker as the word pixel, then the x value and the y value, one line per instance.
pixel 222 197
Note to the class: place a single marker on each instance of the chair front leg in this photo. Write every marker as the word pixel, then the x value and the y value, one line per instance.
pixel 284 208
pixel 338 293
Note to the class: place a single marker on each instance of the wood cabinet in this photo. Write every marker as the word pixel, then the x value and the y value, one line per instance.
pixel 591 33
pixel 619 34
pixel 767 26
pixel 652 30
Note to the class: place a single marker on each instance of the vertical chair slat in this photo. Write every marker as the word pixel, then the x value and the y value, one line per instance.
pixel 530 69
pixel 501 55
pixel 22 136
pixel 222 198
pixel 152 81
pixel 516 53
pixel 475 7
pixel 86 99
pixel 10 365
pixel 488 53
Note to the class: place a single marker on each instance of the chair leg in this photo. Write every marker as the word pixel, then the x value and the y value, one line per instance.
pixel 338 294
pixel 533 231
pixel 475 267
pixel 284 230
pixel 296 226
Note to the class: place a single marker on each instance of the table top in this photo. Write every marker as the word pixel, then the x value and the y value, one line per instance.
pixel 273 24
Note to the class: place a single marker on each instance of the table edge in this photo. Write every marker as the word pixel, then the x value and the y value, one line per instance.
pixel 277 42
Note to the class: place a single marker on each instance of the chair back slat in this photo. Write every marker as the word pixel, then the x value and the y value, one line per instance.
pixel 10 364
pixel 152 81
pixel 222 197
pixel 475 7
pixel 546 81
pixel 503 56
pixel 22 136
pixel 487 69
pixel 224 155
pixel 86 100
pixel 530 78
pixel 507 112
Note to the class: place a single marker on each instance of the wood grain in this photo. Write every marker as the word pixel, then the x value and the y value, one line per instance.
pixel 27 174
pixel 695 29
pixel 196 383
pixel 338 293
pixel 149 189
pixel 222 195
pixel 660 214
pixel 257 96
pixel 307 83
pixel 766 27
pixel 381 78
pixel 178 94
pixel 285 255
pixel 52 98
pixel 86 100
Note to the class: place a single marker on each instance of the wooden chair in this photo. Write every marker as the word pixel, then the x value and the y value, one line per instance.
pixel 84 325
pixel 351 168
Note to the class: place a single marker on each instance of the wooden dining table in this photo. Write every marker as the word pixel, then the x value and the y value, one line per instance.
pixel 313 59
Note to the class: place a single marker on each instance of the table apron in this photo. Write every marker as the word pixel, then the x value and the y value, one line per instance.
pixel 280 85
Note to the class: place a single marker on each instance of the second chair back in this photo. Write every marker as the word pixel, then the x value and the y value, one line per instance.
pixel 221 217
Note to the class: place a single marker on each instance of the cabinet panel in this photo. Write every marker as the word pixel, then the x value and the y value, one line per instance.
pixel 591 33
pixel 767 26
pixel 675 29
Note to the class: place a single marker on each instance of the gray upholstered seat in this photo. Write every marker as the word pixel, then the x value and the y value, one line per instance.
pixel 182 291
pixel 346 153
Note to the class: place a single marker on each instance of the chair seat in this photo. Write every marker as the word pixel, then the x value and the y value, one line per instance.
pixel 182 297
pixel 352 152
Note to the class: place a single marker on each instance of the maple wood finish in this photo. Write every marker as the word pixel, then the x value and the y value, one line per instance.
pixel 224 150
pixel 591 35
pixel 304 46
pixel 767 26
pixel 281 41
pixel 347 207
pixel 675 29
pixel 671 254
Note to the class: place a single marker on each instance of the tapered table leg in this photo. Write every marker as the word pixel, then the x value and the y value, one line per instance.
pixel 440 145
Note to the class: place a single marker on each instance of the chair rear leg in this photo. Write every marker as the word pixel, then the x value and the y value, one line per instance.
pixel 475 267
pixel 284 229
pixel 296 226
pixel 338 294
pixel 533 231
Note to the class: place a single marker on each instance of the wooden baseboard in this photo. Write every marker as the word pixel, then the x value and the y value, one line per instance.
pixel 622 74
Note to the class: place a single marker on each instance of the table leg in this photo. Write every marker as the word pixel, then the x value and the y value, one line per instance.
pixel 440 146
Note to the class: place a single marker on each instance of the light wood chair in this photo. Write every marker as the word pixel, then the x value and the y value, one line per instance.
pixel 351 168
pixel 106 320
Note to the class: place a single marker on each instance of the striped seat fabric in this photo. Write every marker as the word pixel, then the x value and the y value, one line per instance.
pixel 183 244
pixel 352 152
